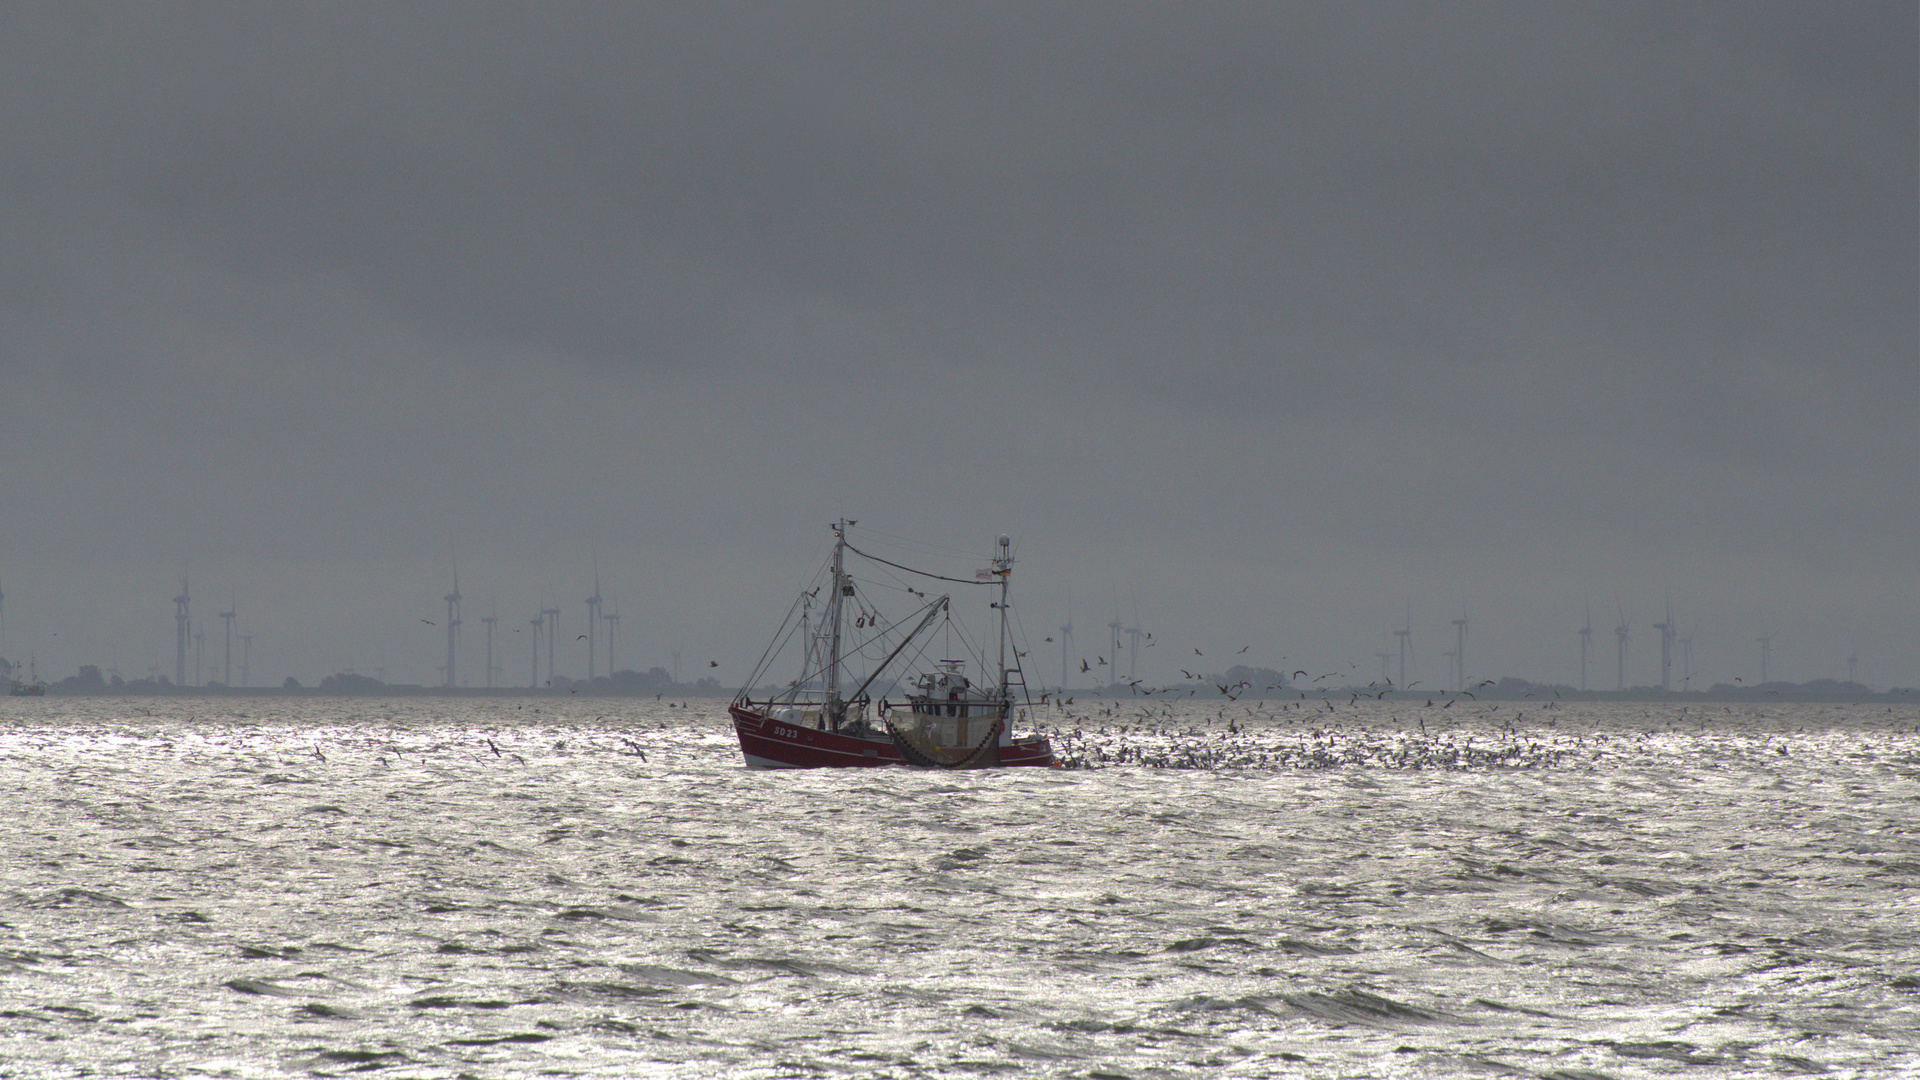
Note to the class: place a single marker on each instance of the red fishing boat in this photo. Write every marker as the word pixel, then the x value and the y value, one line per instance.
pixel 943 720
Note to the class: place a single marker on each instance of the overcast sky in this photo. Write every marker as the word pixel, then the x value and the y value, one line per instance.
pixel 1267 325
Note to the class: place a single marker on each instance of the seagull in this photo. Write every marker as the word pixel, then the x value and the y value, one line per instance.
pixel 1243 648
pixel 582 637
pixel 429 622
pixel 713 663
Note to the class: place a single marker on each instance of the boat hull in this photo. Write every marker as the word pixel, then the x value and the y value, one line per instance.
pixel 767 742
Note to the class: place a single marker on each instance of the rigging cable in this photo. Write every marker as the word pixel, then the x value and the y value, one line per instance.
pixel 922 573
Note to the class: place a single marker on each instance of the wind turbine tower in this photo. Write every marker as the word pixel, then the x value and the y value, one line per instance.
pixel 246 655
pixel 553 633
pixel 1405 634
pixel 1586 639
pixel 613 628
pixel 180 634
pixel 1853 667
pixel 1133 652
pixel 1620 654
pixel 489 620
pixel 593 618
pixel 1686 660
pixel 453 624
pixel 1384 657
pixel 1460 653
pixel 1766 655
pixel 1666 650
pixel 199 656
pixel 538 622
pixel 228 616
pixel 1116 629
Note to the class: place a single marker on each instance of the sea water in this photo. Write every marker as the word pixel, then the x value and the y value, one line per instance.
pixel 446 887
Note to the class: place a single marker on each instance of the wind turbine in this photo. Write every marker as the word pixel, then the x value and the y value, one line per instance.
pixel 199 656
pixel 538 622
pixel 227 678
pixel 1384 657
pixel 1686 658
pixel 593 617
pixel 180 619
pixel 613 627
pixel 1117 629
pixel 1620 645
pixel 1766 655
pixel 1586 639
pixel 1405 634
pixel 453 622
pixel 246 655
pixel 553 633
pixel 1667 632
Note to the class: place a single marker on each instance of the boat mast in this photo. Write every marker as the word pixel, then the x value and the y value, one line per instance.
pixel 806 646
pixel 1003 566
pixel 831 714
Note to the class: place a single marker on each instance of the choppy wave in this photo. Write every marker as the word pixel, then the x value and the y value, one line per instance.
pixel 437 888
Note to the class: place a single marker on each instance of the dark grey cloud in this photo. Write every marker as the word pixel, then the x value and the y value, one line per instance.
pixel 1273 320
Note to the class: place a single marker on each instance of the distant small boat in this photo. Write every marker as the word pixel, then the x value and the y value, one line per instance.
pixel 945 722
pixel 33 687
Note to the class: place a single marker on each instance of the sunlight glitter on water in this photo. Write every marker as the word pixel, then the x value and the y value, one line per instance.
pixel 438 887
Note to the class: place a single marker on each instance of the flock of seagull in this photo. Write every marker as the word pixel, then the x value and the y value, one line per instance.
pixel 1263 744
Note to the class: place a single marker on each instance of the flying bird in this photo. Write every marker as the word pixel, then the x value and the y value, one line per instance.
pixel 713 663
pixel 1243 648
pixel 582 637
pixel 429 622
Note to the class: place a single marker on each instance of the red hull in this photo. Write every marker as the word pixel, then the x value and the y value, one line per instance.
pixel 769 743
